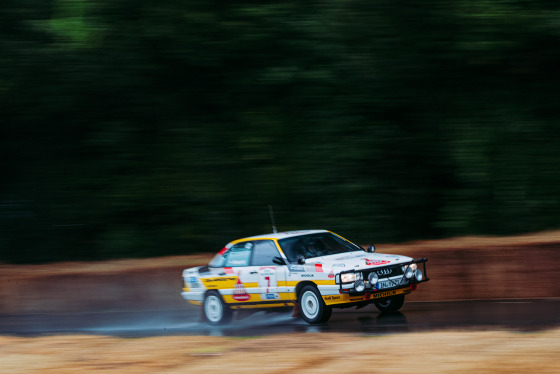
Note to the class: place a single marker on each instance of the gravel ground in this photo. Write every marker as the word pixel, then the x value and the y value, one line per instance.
pixel 431 352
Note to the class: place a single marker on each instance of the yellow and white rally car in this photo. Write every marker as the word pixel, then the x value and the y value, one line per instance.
pixel 316 270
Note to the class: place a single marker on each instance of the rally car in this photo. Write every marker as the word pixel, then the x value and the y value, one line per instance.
pixel 315 270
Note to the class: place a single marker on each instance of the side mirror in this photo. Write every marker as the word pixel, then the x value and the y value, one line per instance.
pixel 301 260
pixel 278 260
pixel 370 248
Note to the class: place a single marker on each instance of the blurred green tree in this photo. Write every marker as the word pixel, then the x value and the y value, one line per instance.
pixel 133 128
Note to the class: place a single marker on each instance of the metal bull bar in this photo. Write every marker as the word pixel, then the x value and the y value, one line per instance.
pixel 388 283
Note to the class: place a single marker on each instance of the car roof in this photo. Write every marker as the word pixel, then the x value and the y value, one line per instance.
pixel 281 235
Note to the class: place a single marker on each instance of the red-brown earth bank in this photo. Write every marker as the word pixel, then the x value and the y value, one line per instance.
pixel 522 266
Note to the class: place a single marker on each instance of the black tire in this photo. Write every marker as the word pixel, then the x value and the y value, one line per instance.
pixel 214 310
pixel 312 308
pixel 390 305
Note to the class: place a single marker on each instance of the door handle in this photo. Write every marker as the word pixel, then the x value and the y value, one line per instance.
pixel 253 272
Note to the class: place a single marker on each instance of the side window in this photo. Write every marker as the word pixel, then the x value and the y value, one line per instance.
pixel 239 255
pixel 264 252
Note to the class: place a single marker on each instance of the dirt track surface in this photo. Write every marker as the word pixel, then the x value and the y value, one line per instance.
pixel 434 352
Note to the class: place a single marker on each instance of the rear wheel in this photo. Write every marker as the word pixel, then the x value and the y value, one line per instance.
pixel 216 312
pixel 312 308
pixel 390 305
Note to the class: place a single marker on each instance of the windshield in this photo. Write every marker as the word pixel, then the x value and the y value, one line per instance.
pixel 315 245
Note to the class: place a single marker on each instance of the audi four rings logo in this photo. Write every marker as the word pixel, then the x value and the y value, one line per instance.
pixel 384 272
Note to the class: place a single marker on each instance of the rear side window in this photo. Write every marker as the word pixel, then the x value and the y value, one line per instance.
pixel 264 252
pixel 239 255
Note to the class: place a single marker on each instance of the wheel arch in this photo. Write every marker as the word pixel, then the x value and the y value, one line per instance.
pixel 214 291
pixel 302 284
pixel 211 291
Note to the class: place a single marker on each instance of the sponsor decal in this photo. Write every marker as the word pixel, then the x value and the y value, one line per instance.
pixel 193 282
pixel 339 265
pixel 211 280
pixel 222 251
pixel 307 275
pixel 385 294
pixel 270 296
pixel 240 293
pixel 376 262
pixel 379 295
pixel 297 268
pixel 332 298
pixel 267 270
pixel 331 274
pixel 228 270
pixel 219 282
pixel 319 268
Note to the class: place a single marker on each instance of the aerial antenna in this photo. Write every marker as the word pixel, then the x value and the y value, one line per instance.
pixel 272 219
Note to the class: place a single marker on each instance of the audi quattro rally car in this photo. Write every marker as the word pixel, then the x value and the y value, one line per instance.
pixel 317 270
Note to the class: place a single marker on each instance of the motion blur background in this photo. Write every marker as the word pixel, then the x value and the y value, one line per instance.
pixel 142 128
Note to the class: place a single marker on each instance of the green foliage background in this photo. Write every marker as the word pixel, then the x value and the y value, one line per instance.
pixel 141 128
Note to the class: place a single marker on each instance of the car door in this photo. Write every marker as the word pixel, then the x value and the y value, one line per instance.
pixel 258 277
pixel 270 274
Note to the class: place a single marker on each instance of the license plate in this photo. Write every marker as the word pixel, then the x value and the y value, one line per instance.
pixel 386 284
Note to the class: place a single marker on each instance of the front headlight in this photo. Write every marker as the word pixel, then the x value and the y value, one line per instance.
pixel 359 285
pixel 347 277
pixel 409 270
pixel 408 273
pixel 350 277
pixel 411 266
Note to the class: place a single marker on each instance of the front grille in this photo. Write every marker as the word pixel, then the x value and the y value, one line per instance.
pixel 386 272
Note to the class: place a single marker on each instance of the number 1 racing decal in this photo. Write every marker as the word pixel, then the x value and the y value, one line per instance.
pixel 267 280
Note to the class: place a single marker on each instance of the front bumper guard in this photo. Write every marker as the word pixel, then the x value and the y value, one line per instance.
pixel 398 281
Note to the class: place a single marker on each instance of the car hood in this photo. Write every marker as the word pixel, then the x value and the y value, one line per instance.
pixel 356 260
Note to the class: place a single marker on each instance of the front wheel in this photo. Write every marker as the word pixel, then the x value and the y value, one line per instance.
pixel 390 305
pixel 216 312
pixel 312 308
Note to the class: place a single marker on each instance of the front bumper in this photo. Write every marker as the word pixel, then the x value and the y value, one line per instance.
pixel 389 283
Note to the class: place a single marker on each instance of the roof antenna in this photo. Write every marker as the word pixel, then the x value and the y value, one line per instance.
pixel 272 219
